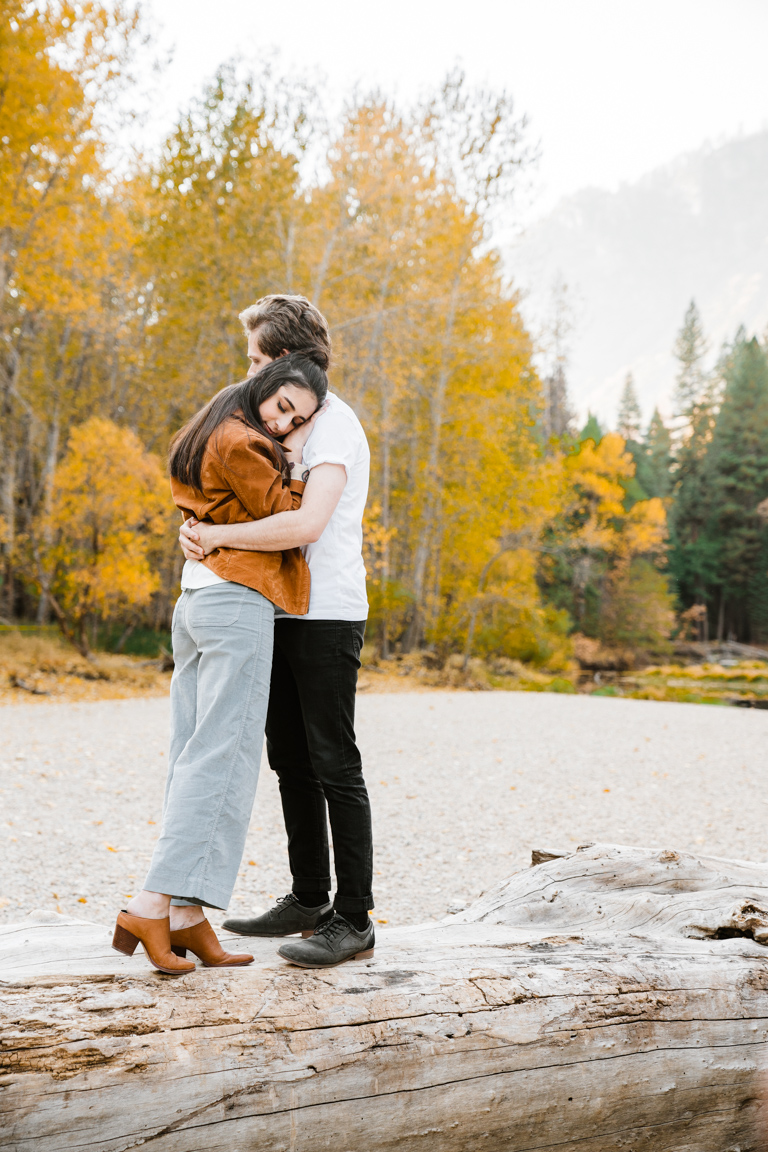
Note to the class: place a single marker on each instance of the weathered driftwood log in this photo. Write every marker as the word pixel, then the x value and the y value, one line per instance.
pixel 612 998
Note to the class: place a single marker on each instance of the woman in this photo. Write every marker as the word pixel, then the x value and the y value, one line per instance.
pixel 227 466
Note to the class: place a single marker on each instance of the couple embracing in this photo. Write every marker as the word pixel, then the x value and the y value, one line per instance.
pixel 272 478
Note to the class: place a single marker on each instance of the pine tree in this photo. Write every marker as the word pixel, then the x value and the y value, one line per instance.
pixel 558 416
pixel 591 430
pixel 692 558
pixel 630 416
pixel 693 554
pixel 634 491
pixel 736 471
pixel 655 461
pixel 690 349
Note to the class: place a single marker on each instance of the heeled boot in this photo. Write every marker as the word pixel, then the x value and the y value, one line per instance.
pixel 154 936
pixel 203 942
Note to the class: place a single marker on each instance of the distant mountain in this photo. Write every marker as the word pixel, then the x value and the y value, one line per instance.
pixel 696 228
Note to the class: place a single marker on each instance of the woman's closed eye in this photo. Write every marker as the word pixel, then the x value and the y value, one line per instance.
pixel 297 420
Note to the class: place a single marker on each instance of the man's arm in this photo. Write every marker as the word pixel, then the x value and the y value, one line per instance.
pixel 275 533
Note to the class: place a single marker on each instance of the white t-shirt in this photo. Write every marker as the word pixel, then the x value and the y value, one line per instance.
pixel 337 591
pixel 196 575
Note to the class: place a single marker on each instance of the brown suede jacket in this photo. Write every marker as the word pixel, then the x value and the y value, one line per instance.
pixel 242 481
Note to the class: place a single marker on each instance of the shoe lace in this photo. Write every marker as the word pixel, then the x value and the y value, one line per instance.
pixel 283 901
pixel 331 927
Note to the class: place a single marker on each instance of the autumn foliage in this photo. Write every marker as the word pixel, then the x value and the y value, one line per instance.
pixel 108 514
pixel 120 297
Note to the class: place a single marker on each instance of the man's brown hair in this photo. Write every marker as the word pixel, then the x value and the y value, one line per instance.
pixel 292 324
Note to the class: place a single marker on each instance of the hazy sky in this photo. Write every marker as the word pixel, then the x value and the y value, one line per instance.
pixel 612 88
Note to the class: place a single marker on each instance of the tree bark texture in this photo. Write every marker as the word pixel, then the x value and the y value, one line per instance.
pixel 608 998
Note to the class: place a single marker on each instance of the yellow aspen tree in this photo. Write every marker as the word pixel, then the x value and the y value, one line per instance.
pixel 58 237
pixel 367 270
pixel 596 502
pixel 429 348
pixel 110 510
pixel 214 213
pixel 618 552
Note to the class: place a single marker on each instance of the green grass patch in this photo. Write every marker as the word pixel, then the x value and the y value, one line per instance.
pixel 560 684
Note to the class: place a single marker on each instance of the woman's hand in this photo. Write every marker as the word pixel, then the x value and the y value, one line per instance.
pixel 197 539
pixel 293 444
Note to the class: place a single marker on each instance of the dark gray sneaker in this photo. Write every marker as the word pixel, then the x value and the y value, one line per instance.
pixel 332 943
pixel 286 918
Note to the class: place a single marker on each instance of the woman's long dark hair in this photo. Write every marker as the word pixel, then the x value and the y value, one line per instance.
pixel 188 445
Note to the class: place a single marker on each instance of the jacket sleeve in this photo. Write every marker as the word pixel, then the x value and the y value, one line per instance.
pixel 251 473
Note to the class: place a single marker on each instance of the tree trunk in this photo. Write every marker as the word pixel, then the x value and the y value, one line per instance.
pixel 432 499
pixel 8 523
pixel 48 482
pixel 8 373
pixel 612 998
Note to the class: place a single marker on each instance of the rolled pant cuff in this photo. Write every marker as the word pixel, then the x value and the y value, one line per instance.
pixel 354 903
pixel 302 884
pixel 191 891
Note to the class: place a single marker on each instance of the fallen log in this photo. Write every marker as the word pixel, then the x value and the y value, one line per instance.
pixel 610 998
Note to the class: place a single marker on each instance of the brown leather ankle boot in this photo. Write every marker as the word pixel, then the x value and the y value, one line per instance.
pixel 202 940
pixel 155 936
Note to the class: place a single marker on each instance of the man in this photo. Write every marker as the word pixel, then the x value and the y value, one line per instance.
pixel 310 723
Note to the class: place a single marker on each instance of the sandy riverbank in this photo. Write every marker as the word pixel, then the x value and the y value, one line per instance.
pixel 463 785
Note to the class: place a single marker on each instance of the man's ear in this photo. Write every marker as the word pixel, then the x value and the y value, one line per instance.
pixel 285 352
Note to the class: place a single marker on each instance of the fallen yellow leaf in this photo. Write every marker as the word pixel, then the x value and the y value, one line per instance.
pixel 251 861
pixel 82 900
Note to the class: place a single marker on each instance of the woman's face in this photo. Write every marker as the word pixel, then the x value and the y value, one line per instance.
pixel 287 408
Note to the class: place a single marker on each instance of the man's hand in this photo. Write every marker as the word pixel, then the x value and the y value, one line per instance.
pixel 197 539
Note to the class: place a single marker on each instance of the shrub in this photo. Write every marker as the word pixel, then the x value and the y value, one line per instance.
pixel 637 608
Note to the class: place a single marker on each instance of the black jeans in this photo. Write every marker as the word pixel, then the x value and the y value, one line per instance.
pixel 311 746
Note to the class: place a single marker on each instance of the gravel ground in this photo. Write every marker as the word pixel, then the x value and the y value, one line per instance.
pixel 463 786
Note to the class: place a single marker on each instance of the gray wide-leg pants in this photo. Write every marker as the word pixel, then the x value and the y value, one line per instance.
pixel 222 649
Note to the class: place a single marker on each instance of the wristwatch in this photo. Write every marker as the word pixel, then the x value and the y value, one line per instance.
pixel 299 471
